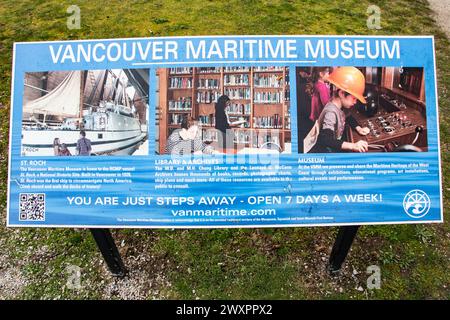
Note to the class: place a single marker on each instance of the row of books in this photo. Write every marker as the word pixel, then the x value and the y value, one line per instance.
pixel 287 122
pixel 272 81
pixel 242 136
pixel 207 96
pixel 175 118
pixel 239 108
pixel 208 120
pixel 268 122
pixel 255 139
pixel 271 68
pixel 208 84
pixel 237 93
pixel 209 135
pixel 209 70
pixel 185 103
pixel 235 79
pixel 236 69
pixel 180 70
pixel 188 70
pixel 182 104
pixel 180 83
pixel 247 137
pixel 272 122
pixel 260 139
pixel 268 97
pixel 287 95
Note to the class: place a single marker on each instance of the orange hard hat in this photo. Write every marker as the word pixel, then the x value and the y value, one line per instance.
pixel 350 80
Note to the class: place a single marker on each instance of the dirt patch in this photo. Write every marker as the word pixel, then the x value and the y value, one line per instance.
pixel 441 10
pixel 12 281
pixel 144 280
pixel 146 277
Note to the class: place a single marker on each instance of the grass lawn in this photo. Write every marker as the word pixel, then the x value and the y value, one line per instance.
pixel 287 263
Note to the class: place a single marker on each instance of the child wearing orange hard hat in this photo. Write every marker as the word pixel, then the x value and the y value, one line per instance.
pixel 349 85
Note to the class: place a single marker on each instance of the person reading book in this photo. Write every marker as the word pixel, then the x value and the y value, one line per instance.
pixel 187 140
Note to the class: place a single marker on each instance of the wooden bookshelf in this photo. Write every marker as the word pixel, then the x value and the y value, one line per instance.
pixel 259 95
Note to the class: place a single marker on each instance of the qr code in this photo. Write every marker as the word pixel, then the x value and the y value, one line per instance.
pixel 32 207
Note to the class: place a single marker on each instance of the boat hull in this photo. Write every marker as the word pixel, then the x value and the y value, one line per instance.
pixel 40 142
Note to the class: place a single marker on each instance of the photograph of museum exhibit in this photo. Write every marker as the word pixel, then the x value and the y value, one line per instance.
pixel 253 102
pixel 361 109
pixel 90 112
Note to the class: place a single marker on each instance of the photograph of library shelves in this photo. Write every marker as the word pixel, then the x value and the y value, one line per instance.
pixel 228 110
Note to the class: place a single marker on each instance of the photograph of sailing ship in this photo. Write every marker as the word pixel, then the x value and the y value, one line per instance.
pixel 87 112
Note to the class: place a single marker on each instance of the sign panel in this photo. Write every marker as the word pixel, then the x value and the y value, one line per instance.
pixel 224 131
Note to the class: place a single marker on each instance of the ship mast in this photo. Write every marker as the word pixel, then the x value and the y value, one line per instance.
pixel 82 82
pixel 102 91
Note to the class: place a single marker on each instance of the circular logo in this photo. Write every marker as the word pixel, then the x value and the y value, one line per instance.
pixel 416 203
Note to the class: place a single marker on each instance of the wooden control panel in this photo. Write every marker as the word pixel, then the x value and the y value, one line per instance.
pixel 398 127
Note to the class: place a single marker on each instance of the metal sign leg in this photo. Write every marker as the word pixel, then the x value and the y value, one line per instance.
pixel 107 246
pixel 341 247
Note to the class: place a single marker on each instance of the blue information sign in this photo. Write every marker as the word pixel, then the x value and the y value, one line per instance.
pixel 224 131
